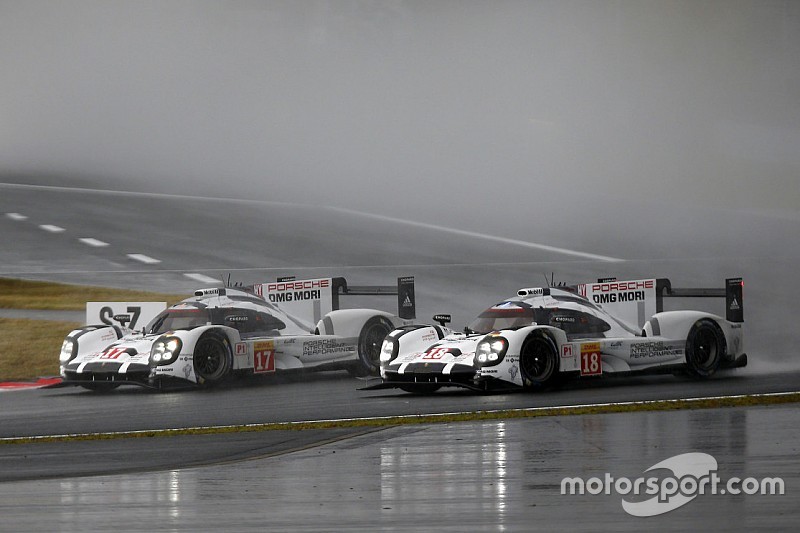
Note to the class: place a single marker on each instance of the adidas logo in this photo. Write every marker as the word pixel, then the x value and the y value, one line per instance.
pixel 407 302
pixel 734 305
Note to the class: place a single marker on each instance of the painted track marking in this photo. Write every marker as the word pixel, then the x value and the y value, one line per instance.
pixel 93 242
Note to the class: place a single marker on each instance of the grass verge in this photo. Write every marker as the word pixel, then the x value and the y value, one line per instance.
pixel 29 348
pixel 24 294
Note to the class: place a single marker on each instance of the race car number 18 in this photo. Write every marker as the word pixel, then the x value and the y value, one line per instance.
pixel 591 364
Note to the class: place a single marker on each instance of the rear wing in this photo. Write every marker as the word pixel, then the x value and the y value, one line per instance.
pixel 404 290
pixel 635 301
pixel 313 298
pixel 733 292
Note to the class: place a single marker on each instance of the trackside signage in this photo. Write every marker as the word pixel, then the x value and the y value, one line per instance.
pixel 308 299
pixel 632 301
pixel 133 315
pixel 671 483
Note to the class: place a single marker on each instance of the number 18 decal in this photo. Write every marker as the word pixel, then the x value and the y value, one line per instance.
pixel 436 353
pixel 591 363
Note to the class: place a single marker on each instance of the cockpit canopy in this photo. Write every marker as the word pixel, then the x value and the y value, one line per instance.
pixel 576 316
pixel 247 321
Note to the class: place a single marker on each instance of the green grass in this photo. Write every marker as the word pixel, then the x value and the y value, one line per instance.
pixel 29 348
pixel 23 294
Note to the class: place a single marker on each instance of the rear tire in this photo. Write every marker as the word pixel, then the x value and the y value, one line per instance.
pixel 705 348
pixel 538 361
pixel 212 359
pixel 369 346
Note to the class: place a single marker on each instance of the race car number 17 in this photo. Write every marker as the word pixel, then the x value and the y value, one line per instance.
pixel 591 363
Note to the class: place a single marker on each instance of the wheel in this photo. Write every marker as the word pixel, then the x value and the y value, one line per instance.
pixel 100 386
pixel 538 361
pixel 369 346
pixel 212 359
pixel 705 348
pixel 421 389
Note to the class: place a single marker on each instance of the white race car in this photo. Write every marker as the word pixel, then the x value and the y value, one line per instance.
pixel 224 331
pixel 544 334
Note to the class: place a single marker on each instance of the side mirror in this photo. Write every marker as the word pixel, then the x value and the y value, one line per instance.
pixel 443 320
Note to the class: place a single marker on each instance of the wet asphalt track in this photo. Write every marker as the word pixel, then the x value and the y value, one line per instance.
pixel 455 272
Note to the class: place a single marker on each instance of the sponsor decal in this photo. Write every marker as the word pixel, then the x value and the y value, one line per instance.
pixel 240 348
pixel 112 353
pixel 263 357
pixel 299 285
pixel 630 296
pixel 656 349
pixel 326 346
pixel 295 296
pixel 187 370
pixel 512 371
pixel 566 350
pixel 429 337
pixel 615 344
pixel 591 363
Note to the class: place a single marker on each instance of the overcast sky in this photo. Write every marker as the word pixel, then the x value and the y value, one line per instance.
pixel 419 108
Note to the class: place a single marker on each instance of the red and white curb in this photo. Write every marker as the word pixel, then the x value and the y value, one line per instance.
pixel 22 385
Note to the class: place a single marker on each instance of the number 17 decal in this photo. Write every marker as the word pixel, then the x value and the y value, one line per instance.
pixel 263 357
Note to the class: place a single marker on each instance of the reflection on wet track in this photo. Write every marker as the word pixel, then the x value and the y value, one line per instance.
pixel 481 476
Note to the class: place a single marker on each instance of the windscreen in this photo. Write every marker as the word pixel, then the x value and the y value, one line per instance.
pixel 496 318
pixel 173 319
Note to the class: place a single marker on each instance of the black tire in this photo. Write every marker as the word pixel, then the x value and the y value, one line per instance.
pixel 421 389
pixel 705 348
pixel 538 361
pixel 369 346
pixel 100 386
pixel 212 359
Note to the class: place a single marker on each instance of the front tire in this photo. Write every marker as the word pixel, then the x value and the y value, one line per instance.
pixel 538 361
pixel 369 346
pixel 705 348
pixel 212 360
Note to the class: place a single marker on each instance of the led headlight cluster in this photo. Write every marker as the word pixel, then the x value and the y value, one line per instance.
pixel 165 350
pixel 388 350
pixel 490 350
pixel 68 351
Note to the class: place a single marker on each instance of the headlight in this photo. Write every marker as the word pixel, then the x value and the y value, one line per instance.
pixel 490 350
pixel 165 350
pixel 388 350
pixel 68 349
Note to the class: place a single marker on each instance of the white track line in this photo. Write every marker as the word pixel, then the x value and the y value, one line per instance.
pixel 201 278
pixel 513 242
pixel 16 216
pixel 51 228
pixel 504 240
pixel 93 242
pixel 146 259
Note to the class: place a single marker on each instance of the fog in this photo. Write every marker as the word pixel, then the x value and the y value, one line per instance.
pixel 449 112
